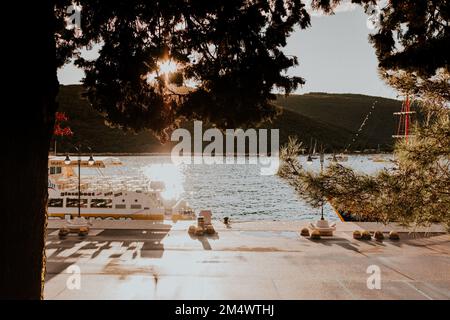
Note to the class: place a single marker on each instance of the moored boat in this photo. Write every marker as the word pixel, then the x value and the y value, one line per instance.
pixel 107 197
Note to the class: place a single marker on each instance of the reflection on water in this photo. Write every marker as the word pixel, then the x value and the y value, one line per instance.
pixel 236 190
pixel 170 174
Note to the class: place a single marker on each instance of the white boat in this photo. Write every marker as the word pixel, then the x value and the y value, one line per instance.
pixel 378 158
pixel 339 158
pixel 108 197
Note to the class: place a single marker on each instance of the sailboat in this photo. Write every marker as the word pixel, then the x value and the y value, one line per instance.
pixel 313 152
pixel 403 129
pixel 378 157
pixel 339 158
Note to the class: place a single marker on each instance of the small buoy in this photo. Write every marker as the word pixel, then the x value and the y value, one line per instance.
pixel 304 232
pixel 365 235
pixel 199 231
pixel 315 235
pixel 192 229
pixel 357 235
pixel 393 235
pixel 210 229
pixel 379 235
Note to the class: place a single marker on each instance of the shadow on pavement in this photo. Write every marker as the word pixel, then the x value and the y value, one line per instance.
pixel 61 253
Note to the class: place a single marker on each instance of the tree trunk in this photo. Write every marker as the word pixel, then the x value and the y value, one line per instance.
pixel 26 134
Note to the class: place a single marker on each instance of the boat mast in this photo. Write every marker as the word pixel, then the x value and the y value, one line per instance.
pixel 405 120
pixel 311 147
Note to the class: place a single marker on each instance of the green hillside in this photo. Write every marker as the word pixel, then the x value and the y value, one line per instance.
pixel 332 119
pixel 89 127
pixel 348 111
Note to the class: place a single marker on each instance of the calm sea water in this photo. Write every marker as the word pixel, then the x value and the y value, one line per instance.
pixel 237 191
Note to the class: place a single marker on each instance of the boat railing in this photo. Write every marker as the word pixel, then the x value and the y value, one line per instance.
pixel 104 184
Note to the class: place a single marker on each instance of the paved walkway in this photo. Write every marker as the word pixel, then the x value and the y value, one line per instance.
pixel 255 260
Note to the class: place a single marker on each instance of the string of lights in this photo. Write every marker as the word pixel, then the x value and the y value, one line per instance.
pixel 363 124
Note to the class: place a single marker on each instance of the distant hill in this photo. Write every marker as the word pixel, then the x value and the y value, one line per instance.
pixel 332 119
pixel 348 111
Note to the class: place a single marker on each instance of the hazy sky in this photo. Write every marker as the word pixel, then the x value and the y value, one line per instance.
pixel 334 55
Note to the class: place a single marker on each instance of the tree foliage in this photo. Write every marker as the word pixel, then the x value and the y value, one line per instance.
pixel 411 43
pixel 230 50
pixel 416 191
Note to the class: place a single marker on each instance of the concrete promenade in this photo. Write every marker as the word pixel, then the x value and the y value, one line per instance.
pixel 248 260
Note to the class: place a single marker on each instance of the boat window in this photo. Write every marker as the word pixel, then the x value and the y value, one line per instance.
pixel 55 203
pixel 101 203
pixel 136 206
pixel 73 203
pixel 121 206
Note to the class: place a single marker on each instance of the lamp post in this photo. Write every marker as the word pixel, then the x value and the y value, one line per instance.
pixel 322 160
pixel 91 162
pixel 310 161
pixel 322 226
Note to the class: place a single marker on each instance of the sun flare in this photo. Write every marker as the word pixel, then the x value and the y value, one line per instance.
pixel 167 66
pixel 171 175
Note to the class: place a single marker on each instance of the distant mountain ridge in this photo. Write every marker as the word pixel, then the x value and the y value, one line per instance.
pixel 332 119
pixel 348 111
